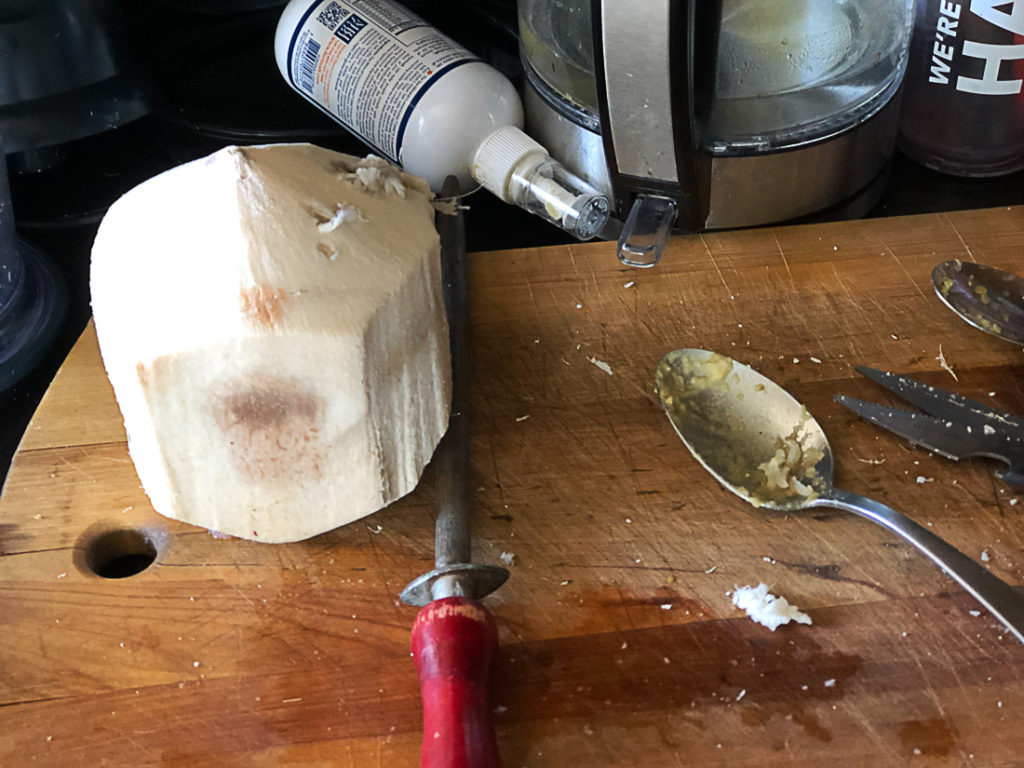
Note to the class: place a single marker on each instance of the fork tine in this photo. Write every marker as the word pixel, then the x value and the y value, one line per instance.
pixel 943 404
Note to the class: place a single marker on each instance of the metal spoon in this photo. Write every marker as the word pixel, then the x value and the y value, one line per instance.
pixel 987 298
pixel 765 447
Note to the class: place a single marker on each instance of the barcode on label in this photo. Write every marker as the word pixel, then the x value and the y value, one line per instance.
pixel 307 65
pixel 331 15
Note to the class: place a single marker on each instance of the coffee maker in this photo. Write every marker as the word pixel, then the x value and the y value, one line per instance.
pixel 710 114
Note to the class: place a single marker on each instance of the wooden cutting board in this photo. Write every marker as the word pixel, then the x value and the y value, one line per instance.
pixel 619 643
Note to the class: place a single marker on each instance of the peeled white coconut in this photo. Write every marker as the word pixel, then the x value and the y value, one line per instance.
pixel 272 323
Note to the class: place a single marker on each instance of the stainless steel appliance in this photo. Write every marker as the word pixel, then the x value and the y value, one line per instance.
pixel 718 113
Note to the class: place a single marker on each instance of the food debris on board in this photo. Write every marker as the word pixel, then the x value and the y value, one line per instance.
pixel 946 366
pixel 871 461
pixel 767 609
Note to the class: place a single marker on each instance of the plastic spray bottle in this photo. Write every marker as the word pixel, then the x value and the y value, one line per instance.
pixel 428 104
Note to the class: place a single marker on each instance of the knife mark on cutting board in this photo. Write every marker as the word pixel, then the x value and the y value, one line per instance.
pixel 707 249
pixel 831 572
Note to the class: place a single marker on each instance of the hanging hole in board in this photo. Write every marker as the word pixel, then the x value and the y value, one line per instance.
pixel 117 553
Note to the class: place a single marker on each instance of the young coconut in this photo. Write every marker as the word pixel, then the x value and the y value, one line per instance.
pixel 272 323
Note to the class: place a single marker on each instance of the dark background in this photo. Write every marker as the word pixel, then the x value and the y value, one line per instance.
pixel 209 77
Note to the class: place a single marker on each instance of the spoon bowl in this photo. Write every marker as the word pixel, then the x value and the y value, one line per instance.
pixel 764 446
pixel 756 438
pixel 988 298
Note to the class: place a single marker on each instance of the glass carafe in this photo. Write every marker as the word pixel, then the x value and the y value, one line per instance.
pixel 768 74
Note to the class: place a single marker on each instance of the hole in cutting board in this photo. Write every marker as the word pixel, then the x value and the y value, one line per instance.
pixel 119 553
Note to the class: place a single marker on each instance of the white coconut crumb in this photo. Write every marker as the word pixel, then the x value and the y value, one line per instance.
pixel 945 366
pixel 579 306
pixel 712 569
pixel 523 418
pixel 1013 502
pixel 767 609
pixel 741 694
pixel 375 529
pixel 975 614
pixel 985 556
pixel 508 558
pixel 894 336
pixel 195 663
pixel 381 178
pixel 830 683
pixel 768 559
pixel 988 430
pixel 449 206
pixel 566 583
pixel 630 284
pixel 666 606
pixel 796 360
pixel 602 365
pixel 343 214
pixel 922 479
pixel 815 360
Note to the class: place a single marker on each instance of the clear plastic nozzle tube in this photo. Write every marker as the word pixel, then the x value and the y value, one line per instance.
pixel 520 171
pixel 646 230
pixel 546 188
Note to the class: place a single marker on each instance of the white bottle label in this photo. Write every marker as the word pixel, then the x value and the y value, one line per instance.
pixel 368 63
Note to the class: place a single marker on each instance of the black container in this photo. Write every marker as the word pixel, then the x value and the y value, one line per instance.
pixel 963 100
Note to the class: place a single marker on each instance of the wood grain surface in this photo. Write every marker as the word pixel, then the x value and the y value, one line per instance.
pixel 619 643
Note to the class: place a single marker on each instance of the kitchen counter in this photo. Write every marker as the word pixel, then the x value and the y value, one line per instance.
pixel 619 642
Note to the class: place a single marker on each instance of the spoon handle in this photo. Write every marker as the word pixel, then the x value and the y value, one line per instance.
pixel 996 595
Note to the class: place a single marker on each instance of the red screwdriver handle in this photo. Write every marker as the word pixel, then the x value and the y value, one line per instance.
pixel 453 641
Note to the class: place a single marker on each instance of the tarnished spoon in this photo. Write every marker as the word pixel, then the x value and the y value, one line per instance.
pixel 765 447
pixel 987 298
